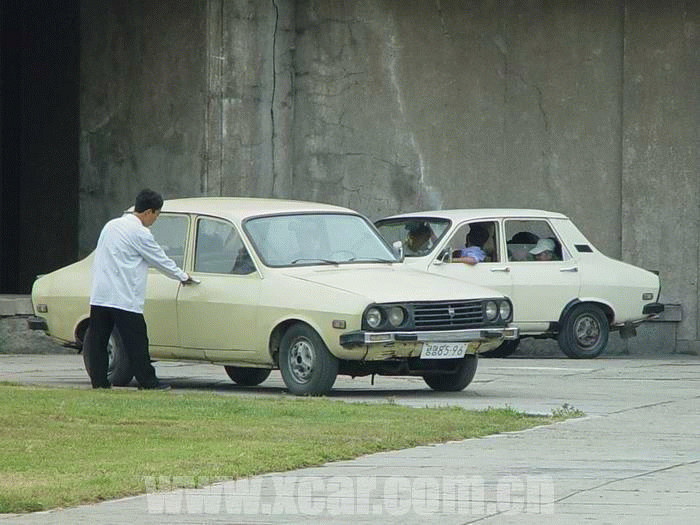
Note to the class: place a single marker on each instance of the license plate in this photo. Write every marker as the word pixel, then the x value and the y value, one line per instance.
pixel 443 350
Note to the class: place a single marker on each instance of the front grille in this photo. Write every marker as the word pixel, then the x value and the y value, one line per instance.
pixel 448 315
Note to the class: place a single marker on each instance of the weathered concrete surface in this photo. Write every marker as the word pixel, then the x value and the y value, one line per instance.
pixel 588 108
pixel 15 335
pixel 143 100
pixel 410 105
pixel 190 98
pixel 250 100
pixel 17 338
pixel 660 180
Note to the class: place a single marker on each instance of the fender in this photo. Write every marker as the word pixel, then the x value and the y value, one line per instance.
pixel 607 309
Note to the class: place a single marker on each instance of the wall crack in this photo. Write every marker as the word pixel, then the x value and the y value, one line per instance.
pixel 273 167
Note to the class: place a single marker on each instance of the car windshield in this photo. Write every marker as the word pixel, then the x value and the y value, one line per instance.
pixel 316 238
pixel 419 235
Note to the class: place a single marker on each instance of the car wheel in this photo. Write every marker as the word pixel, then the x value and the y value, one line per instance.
pixel 584 332
pixel 247 376
pixel 454 381
pixel 307 367
pixel 505 349
pixel 119 371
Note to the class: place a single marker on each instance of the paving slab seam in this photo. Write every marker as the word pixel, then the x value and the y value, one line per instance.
pixel 652 405
pixel 627 478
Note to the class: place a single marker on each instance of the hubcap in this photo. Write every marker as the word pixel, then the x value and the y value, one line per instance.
pixel 301 360
pixel 587 331
pixel 110 355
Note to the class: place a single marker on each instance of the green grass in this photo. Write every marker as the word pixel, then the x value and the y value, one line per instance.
pixel 62 447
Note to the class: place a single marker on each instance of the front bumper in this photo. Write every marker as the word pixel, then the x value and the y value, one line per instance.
pixel 365 338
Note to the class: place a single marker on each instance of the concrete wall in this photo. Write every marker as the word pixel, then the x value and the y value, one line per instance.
pixel 143 97
pixel 588 108
pixel 661 155
pixel 190 98
pixel 463 104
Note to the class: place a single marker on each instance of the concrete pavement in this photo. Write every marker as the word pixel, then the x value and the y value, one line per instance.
pixel 633 459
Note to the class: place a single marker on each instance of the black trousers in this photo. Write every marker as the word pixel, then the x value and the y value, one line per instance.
pixel 134 336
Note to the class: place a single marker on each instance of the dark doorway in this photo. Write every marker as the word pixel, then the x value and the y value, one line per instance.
pixel 39 74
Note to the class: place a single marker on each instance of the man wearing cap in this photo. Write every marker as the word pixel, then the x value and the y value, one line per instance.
pixel 543 250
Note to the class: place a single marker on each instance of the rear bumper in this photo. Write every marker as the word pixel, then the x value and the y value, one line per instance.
pixel 37 323
pixel 364 338
pixel 653 309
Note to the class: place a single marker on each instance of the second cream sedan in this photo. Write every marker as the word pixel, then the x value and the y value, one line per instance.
pixel 311 289
pixel 561 286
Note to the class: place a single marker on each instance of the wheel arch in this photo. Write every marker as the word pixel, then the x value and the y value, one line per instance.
pixel 278 332
pixel 607 309
pixel 79 332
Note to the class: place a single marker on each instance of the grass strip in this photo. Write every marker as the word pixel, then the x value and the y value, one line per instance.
pixel 63 447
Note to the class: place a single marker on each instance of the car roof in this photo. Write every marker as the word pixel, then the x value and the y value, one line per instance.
pixel 481 213
pixel 241 208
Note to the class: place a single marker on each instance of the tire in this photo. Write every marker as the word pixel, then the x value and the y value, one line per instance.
pixel 584 332
pixel 247 376
pixel 307 367
pixel 454 381
pixel 119 371
pixel 505 349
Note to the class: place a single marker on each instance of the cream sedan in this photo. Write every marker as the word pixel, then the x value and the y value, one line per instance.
pixel 561 286
pixel 308 288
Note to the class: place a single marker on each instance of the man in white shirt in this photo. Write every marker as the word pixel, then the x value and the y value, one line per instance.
pixel 125 250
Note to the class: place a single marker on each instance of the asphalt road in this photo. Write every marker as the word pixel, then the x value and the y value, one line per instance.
pixel 634 458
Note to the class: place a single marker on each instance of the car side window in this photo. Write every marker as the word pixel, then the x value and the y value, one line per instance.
pixel 533 240
pixel 418 235
pixel 170 231
pixel 489 242
pixel 219 249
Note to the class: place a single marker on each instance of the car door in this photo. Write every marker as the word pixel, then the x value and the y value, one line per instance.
pixel 492 273
pixel 540 288
pixel 219 315
pixel 170 232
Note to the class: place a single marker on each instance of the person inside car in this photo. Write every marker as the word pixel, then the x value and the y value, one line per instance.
pixel 419 240
pixel 520 244
pixel 473 252
pixel 543 250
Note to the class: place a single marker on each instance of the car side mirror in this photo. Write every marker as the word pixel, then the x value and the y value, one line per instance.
pixel 398 250
pixel 444 257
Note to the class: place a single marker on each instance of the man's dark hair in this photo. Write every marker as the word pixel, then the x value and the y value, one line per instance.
pixel 524 238
pixel 148 200
pixel 477 235
pixel 418 228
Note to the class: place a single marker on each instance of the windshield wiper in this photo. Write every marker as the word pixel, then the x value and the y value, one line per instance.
pixel 314 259
pixel 372 259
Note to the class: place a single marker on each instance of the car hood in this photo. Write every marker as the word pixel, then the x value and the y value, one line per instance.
pixel 391 283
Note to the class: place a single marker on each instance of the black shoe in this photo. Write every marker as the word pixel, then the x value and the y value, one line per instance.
pixel 156 386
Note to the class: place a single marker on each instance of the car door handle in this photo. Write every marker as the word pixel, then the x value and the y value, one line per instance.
pixel 500 269
pixel 569 269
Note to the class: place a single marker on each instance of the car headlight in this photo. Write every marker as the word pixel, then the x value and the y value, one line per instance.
pixel 505 310
pixel 396 316
pixel 491 310
pixel 373 317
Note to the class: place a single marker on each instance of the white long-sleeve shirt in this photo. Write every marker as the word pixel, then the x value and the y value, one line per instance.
pixel 125 250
